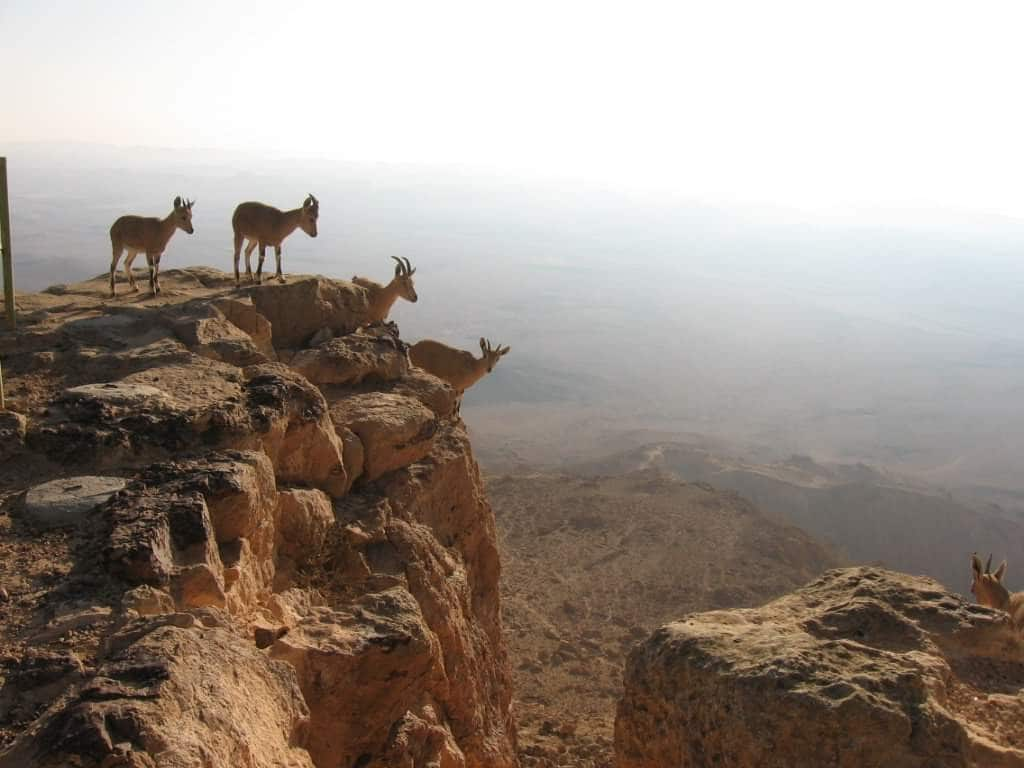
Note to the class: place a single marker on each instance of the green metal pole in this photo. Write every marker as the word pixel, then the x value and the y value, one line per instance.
pixel 5 246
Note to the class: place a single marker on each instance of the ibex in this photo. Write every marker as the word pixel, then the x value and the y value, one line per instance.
pixel 457 367
pixel 149 235
pixel 265 225
pixel 989 589
pixel 380 298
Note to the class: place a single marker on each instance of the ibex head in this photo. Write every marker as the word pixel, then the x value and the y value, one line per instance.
pixel 403 277
pixel 988 587
pixel 310 213
pixel 492 355
pixel 183 214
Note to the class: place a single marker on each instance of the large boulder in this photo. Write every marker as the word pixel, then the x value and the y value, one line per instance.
pixel 376 354
pixel 863 667
pixel 297 310
pixel 395 430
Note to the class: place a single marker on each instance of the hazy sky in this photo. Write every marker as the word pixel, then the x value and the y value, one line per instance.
pixel 815 104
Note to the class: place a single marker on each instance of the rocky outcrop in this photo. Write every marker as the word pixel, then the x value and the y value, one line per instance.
pixel 863 667
pixel 172 693
pixel 299 309
pixel 295 564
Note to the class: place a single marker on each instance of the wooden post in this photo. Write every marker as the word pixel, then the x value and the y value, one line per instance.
pixel 5 246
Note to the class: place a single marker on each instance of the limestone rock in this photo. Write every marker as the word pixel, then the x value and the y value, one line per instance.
pixel 207 332
pixel 66 501
pixel 374 353
pixel 299 309
pixel 133 422
pixel 362 650
pixel 431 532
pixel 395 430
pixel 147 601
pixel 291 419
pixel 166 540
pixel 35 680
pixel 204 529
pixel 245 317
pixel 863 667
pixel 12 433
pixel 142 707
pixel 303 518
pixel 434 393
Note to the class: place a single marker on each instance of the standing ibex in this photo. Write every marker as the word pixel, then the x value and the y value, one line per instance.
pixel 380 298
pixel 149 235
pixel 989 589
pixel 457 367
pixel 265 225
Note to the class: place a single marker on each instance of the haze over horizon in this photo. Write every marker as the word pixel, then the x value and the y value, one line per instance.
pixel 802 223
pixel 795 104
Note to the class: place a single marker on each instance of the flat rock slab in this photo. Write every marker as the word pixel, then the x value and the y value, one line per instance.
pixel 66 501
pixel 122 394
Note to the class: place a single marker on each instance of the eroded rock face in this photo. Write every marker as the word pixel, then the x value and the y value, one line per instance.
pixel 862 667
pixel 361 667
pixel 175 697
pixel 427 530
pixel 394 430
pixel 292 574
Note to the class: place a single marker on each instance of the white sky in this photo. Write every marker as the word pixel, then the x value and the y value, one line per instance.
pixel 813 104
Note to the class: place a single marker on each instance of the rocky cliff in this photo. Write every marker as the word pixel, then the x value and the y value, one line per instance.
pixel 240 530
pixel 863 667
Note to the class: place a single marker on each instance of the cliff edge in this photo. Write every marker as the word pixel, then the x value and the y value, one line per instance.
pixel 240 530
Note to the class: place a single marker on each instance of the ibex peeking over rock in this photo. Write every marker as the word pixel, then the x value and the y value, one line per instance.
pixel 380 298
pixel 148 235
pixel 265 225
pixel 458 367
pixel 989 589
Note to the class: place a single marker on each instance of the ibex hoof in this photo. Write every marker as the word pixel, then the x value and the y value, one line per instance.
pixel 281 278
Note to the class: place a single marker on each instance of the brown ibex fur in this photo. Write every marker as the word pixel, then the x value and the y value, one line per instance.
pixel 149 235
pixel 988 588
pixel 380 298
pixel 265 225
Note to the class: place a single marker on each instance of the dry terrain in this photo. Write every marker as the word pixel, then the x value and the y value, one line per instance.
pixel 592 566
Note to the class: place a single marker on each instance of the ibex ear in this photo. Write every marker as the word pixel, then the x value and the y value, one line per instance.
pixel 503 352
pixel 1000 572
pixel 976 564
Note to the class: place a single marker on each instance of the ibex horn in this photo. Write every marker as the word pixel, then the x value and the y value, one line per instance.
pixel 988 565
pixel 400 268
pixel 408 266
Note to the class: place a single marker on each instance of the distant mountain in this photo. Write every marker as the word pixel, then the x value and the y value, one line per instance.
pixel 871 516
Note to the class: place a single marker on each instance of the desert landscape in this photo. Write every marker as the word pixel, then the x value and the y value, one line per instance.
pixel 206 488
pixel 464 385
